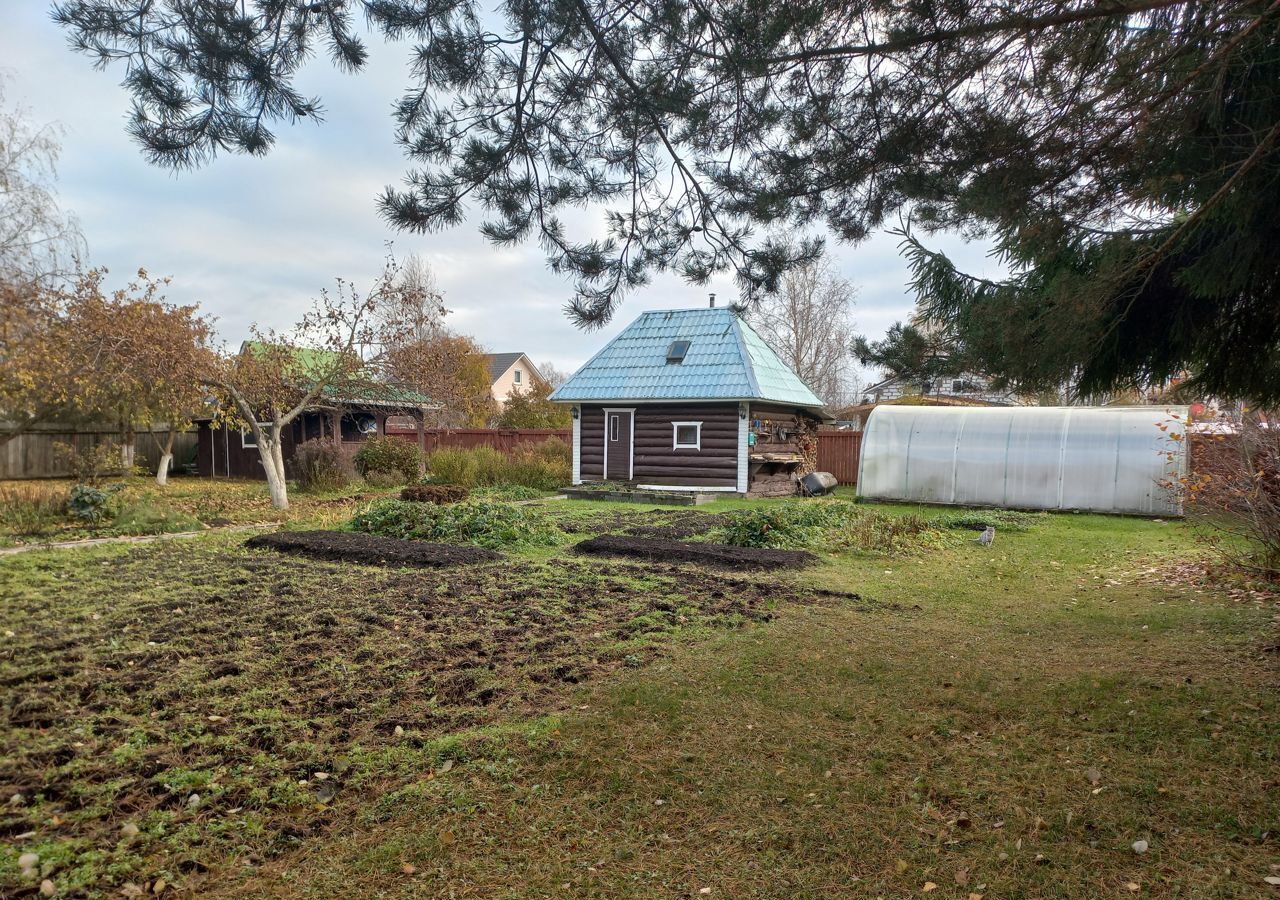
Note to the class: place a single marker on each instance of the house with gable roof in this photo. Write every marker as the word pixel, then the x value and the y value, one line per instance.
pixel 691 399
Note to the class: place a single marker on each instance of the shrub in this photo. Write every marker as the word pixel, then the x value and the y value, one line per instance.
pixel 322 464
pixel 28 509
pixel 388 454
pixel 91 505
pixel 145 516
pixel 433 493
pixel 830 525
pixel 545 465
pixel 1238 497
pixel 474 522
pixel 90 465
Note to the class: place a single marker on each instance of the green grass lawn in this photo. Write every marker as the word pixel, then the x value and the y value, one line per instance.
pixel 1003 722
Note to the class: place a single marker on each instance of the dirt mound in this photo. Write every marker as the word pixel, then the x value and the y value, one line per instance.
pixel 654 523
pixel 345 546
pixel 711 554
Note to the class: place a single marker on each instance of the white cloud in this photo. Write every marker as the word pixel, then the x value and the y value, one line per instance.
pixel 253 240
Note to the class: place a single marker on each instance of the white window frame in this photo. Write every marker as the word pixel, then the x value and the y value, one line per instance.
pixel 675 436
pixel 515 376
pixel 249 440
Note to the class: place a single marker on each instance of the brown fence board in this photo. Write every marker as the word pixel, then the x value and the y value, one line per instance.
pixel 33 455
pixel 838 453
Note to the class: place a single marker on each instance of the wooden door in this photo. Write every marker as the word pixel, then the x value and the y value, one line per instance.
pixel 617 444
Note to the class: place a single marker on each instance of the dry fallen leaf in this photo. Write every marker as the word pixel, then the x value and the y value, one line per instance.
pixel 408 868
pixel 1134 886
pixel 446 838
pixel 902 866
pixel 929 886
pixel 1093 775
pixel 962 877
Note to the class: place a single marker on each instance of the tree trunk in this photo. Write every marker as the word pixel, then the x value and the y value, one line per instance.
pixel 166 457
pixel 273 464
pixel 128 449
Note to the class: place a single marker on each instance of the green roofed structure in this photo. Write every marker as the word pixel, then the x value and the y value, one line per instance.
pixel 346 413
pixel 691 399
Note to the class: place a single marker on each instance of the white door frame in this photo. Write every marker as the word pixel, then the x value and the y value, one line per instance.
pixel 631 440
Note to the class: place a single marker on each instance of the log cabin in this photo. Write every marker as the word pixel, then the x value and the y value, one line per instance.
pixel 692 400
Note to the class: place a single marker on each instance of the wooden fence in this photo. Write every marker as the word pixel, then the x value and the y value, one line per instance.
pixel 34 454
pixel 838 453
pixel 504 439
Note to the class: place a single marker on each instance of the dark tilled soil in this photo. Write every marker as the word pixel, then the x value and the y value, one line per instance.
pixel 706 553
pixel 655 523
pixel 135 682
pixel 344 546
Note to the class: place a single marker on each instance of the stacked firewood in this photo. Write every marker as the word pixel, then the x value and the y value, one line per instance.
pixel 781 484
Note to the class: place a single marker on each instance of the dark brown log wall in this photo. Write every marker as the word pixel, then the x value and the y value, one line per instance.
pixel 656 461
pixel 592 435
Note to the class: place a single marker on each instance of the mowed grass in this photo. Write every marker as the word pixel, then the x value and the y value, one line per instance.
pixel 1008 724
pixel 1002 722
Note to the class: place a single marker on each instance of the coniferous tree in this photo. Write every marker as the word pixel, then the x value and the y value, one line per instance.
pixel 1121 154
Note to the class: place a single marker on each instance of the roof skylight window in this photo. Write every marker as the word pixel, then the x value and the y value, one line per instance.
pixel 676 352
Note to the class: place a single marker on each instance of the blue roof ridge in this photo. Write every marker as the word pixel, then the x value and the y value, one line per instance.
pixel 748 363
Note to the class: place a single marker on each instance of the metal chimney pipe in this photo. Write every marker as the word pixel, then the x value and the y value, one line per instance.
pixel 713 301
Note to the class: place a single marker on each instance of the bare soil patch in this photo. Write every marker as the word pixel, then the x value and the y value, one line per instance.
pixel 676 525
pixel 347 546
pixel 703 552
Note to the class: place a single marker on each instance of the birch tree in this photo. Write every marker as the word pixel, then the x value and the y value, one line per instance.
pixel 808 322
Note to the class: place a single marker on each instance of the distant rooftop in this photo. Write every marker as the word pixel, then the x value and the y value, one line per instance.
pixel 725 360
pixel 500 362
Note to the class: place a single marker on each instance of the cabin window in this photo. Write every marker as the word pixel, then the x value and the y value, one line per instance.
pixel 516 376
pixel 686 436
pixel 676 352
pixel 613 427
pixel 249 438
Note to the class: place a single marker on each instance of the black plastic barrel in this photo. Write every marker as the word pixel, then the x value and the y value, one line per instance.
pixel 815 484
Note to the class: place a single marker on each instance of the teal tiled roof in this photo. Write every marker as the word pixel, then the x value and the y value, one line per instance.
pixel 726 360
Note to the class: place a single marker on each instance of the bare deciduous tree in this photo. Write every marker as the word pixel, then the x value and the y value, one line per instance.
pixel 809 323
pixel 38 241
pixel 551 375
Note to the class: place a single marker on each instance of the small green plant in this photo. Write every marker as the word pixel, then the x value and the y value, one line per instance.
pixel 91 505
pixel 323 465
pixel 388 454
pixel 28 509
pixel 474 522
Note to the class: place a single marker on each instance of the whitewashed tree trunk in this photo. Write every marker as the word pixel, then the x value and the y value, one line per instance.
pixel 166 459
pixel 272 455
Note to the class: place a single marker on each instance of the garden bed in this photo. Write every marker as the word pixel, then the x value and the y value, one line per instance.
pixel 346 546
pixel 706 553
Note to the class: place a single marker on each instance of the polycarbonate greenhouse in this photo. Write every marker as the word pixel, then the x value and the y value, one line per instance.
pixel 1103 459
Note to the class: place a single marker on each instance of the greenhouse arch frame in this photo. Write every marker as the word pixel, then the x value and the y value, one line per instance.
pixel 1100 459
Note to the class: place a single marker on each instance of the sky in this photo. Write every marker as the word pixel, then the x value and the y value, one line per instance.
pixel 254 240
